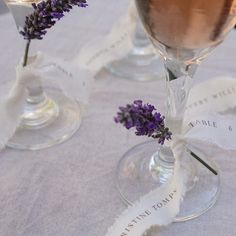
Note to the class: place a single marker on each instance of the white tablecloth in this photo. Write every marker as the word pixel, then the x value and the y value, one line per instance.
pixel 69 190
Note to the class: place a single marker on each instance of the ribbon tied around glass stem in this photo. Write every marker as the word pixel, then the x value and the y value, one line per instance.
pixel 148 122
pixel 160 206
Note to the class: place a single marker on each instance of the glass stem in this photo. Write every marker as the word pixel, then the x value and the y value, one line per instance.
pixel 142 45
pixel 39 110
pixel 178 82
pixel 140 38
pixel 35 90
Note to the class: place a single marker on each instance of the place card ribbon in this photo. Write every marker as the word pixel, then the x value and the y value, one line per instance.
pixel 114 46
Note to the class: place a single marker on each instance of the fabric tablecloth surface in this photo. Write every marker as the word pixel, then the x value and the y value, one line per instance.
pixel 69 189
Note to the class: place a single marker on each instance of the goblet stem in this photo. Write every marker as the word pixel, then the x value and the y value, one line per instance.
pixel 141 63
pixel 141 42
pixel 39 110
pixel 178 82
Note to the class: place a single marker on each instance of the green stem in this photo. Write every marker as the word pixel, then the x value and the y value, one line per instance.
pixel 26 53
pixel 204 163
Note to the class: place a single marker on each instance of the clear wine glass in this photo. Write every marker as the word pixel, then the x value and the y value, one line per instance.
pixel 142 63
pixel 49 116
pixel 183 32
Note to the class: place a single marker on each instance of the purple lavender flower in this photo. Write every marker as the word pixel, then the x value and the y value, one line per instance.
pixel 145 119
pixel 45 15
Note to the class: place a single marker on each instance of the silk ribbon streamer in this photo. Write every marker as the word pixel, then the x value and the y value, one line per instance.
pixel 117 44
pixel 162 205
pixel 158 207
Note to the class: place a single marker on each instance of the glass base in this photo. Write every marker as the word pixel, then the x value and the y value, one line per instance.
pixel 140 65
pixel 54 122
pixel 137 175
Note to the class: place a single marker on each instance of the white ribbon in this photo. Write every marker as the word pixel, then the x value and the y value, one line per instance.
pixel 158 207
pixel 162 205
pixel 117 44
pixel 73 81
pixel 11 107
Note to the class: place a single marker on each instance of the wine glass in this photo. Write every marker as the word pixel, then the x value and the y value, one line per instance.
pixel 184 32
pixel 141 63
pixel 49 117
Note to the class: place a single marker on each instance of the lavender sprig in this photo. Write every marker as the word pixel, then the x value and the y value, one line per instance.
pixel 149 123
pixel 145 119
pixel 44 16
